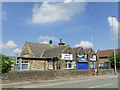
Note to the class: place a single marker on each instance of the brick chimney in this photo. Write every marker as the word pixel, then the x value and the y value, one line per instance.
pixel 61 43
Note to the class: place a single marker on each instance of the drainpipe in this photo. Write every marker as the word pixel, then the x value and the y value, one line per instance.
pixel 88 62
pixel 20 63
pixel 76 62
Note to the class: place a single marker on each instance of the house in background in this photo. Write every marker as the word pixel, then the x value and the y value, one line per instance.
pixel 37 56
pixel 103 55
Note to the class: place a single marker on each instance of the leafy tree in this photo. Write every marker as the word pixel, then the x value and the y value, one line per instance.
pixel 111 58
pixel 5 64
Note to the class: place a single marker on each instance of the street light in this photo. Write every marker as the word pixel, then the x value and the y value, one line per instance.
pixel 114 44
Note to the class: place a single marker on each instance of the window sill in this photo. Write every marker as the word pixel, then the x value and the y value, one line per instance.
pixel 50 68
pixel 69 68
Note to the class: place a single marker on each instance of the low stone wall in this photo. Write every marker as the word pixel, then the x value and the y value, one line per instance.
pixel 118 71
pixel 22 76
pixel 105 71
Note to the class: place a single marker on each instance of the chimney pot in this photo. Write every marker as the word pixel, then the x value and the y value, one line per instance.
pixel 50 42
pixel 61 43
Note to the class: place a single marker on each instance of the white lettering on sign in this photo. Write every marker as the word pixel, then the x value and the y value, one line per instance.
pixel 67 56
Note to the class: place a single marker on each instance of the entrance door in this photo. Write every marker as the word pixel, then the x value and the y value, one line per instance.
pixel 82 66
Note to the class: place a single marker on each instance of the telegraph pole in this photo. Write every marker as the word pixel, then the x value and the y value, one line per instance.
pixel 114 44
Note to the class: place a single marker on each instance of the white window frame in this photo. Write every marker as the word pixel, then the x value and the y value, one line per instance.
pixel 67 62
pixel 51 64
pixel 93 63
pixel 23 62
pixel 101 65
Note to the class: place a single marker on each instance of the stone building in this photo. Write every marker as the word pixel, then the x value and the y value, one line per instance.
pixel 103 55
pixel 92 58
pixel 37 56
pixel 85 58
pixel 82 62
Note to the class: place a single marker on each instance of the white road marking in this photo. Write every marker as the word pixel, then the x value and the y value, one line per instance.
pixel 101 85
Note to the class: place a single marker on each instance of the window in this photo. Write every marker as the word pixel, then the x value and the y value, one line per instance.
pixel 17 67
pixel 68 65
pixel 24 65
pixel 50 64
pixel 101 66
pixel 92 65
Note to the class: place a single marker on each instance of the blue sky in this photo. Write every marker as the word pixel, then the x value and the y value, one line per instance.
pixel 30 22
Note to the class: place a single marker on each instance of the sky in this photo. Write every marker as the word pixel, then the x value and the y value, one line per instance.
pixel 86 24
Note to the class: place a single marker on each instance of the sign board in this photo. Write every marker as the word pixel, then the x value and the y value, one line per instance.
pixel 67 56
pixel 82 61
pixel 82 57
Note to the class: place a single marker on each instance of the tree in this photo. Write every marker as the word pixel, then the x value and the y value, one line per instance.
pixel 5 63
pixel 111 58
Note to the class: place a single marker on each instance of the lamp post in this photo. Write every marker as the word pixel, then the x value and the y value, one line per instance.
pixel 114 44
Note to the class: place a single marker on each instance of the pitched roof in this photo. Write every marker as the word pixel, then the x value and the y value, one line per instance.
pixel 54 52
pixel 106 53
pixel 87 50
pixel 38 48
pixel 76 49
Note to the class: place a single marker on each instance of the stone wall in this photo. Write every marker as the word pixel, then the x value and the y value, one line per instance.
pixel 37 64
pixel 105 71
pixel 34 75
pixel 118 71
pixel 26 52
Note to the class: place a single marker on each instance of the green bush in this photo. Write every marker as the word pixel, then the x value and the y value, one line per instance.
pixel 5 64
pixel 111 58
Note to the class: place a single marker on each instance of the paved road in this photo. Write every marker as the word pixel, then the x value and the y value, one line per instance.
pixel 108 82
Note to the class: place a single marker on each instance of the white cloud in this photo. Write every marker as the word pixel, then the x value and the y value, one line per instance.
pixel 52 12
pixel 45 42
pixel 1 45
pixel 113 22
pixel 4 17
pixel 67 1
pixel 84 44
pixel 17 51
pixel 9 48
pixel 45 39
pixel 9 45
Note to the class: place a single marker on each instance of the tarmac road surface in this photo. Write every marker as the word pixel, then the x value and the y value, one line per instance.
pixel 93 83
pixel 107 81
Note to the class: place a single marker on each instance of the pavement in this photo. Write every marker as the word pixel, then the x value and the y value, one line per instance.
pixel 106 81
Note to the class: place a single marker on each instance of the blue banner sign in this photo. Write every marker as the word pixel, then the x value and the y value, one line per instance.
pixel 82 61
